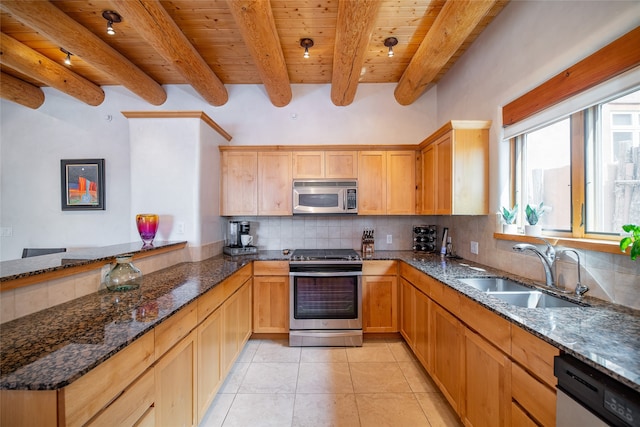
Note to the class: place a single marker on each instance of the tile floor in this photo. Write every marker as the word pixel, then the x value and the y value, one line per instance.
pixel 379 384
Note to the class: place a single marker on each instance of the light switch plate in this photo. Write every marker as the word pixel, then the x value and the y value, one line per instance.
pixel 389 238
pixel 474 248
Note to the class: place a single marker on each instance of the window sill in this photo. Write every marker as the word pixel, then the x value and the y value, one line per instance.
pixel 612 247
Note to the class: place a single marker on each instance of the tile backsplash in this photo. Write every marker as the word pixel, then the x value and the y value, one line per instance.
pixel 335 232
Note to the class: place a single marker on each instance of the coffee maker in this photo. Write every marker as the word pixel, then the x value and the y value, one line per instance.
pixel 234 246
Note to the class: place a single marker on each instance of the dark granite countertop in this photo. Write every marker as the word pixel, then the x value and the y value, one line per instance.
pixel 26 267
pixel 54 347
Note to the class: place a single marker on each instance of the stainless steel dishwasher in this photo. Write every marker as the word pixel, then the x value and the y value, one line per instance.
pixel 587 397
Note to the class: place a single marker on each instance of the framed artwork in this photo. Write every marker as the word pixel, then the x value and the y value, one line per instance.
pixel 82 185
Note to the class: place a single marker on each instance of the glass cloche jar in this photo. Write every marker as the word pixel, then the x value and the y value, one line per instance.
pixel 124 275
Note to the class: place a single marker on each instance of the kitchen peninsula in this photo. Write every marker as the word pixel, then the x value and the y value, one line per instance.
pixel 153 335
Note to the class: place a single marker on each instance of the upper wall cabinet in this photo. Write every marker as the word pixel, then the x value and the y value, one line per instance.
pixel 274 183
pixel 455 170
pixel 386 182
pixel 239 183
pixel 325 164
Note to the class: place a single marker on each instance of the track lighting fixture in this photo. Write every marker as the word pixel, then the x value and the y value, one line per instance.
pixel 67 60
pixel 111 17
pixel 306 44
pixel 390 42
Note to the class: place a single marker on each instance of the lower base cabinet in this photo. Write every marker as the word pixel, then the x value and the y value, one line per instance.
pixel 448 357
pixel 209 361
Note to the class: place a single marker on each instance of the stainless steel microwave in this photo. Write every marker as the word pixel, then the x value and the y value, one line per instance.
pixel 325 196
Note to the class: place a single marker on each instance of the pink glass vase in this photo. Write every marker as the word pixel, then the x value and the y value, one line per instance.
pixel 147 227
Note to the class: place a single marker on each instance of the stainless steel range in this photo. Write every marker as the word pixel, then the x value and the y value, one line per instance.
pixel 326 298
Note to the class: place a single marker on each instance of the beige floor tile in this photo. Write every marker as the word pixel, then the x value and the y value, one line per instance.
pixel 325 410
pixel 418 379
pixel 249 351
pixel 370 352
pixel 234 378
pixel 324 378
pixel 390 409
pixel 217 411
pixel 276 351
pixel 323 354
pixel 262 410
pixel 401 352
pixel 438 410
pixel 378 377
pixel 270 378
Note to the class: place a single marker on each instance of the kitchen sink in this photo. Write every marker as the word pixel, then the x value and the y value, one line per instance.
pixel 533 299
pixel 516 294
pixel 494 284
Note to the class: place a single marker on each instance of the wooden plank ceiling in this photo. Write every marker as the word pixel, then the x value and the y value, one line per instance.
pixel 210 43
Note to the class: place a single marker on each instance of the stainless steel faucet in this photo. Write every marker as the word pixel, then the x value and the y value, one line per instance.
pixel 548 260
pixel 580 288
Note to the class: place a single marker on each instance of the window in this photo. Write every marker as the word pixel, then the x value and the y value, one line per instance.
pixel 585 168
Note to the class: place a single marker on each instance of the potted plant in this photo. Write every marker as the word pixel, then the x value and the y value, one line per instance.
pixel 533 216
pixel 632 241
pixel 509 217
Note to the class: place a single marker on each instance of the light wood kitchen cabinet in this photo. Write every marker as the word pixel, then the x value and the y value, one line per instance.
pixel 415 322
pixel 271 297
pixel 176 388
pixel 275 183
pixel 519 418
pixel 239 183
pixel 325 164
pixel 209 363
pixel 407 312
pixel 447 334
pixel 380 296
pixel 455 169
pixel 487 383
pixel 386 182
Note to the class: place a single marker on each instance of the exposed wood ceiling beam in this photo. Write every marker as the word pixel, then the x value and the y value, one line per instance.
pixel 455 22
pixel 258 29
pixel 155 25
pixel 22 58
pixel 355 24
pixel 20 92
pixel 61 29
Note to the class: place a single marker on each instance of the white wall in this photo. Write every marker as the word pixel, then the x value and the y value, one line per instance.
pixel 529 42
pixel 32 142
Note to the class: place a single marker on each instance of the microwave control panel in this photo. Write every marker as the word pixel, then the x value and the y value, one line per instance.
pixel 351 199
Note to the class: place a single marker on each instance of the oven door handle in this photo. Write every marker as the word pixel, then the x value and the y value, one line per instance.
pixel 325 274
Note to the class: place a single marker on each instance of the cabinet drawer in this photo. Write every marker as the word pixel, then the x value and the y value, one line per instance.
pixel 535 397
pixel 379 268
pixel 172 330
pixel 131 406
pixel 534 354
pixel 208 302
pixel 416 277
pixel 270 268
pixel 445 296
pixel 233 283
pixel 519 418
pixel 491 326
pixel 86 396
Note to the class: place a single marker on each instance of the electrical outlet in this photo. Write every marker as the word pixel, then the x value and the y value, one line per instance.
pixel 474 248
pixel 180 227
pixel 389 239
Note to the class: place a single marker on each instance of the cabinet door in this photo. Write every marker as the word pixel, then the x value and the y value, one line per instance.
pixel 271 304
pixel 274 183
pixel 448 355
pixel 175 377
pixel 422 307
pixel 209 354
pixel 308 164
pixel 487 399
pixel 401 182
pixel 341 164
pixel 230 327
pixel 379 304
pixel 245 297
pixel 429 185
pixel 239 186
pixel 407 312
pixel 372 183
pixel 443 148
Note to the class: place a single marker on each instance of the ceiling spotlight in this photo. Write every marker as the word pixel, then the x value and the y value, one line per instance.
pixel 306 44
pixel 390 42
pixel 111 17
pixel 67 60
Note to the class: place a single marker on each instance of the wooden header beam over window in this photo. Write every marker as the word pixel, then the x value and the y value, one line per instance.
pixel 617 57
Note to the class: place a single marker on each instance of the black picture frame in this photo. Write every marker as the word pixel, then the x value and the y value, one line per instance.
pixel 82 184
